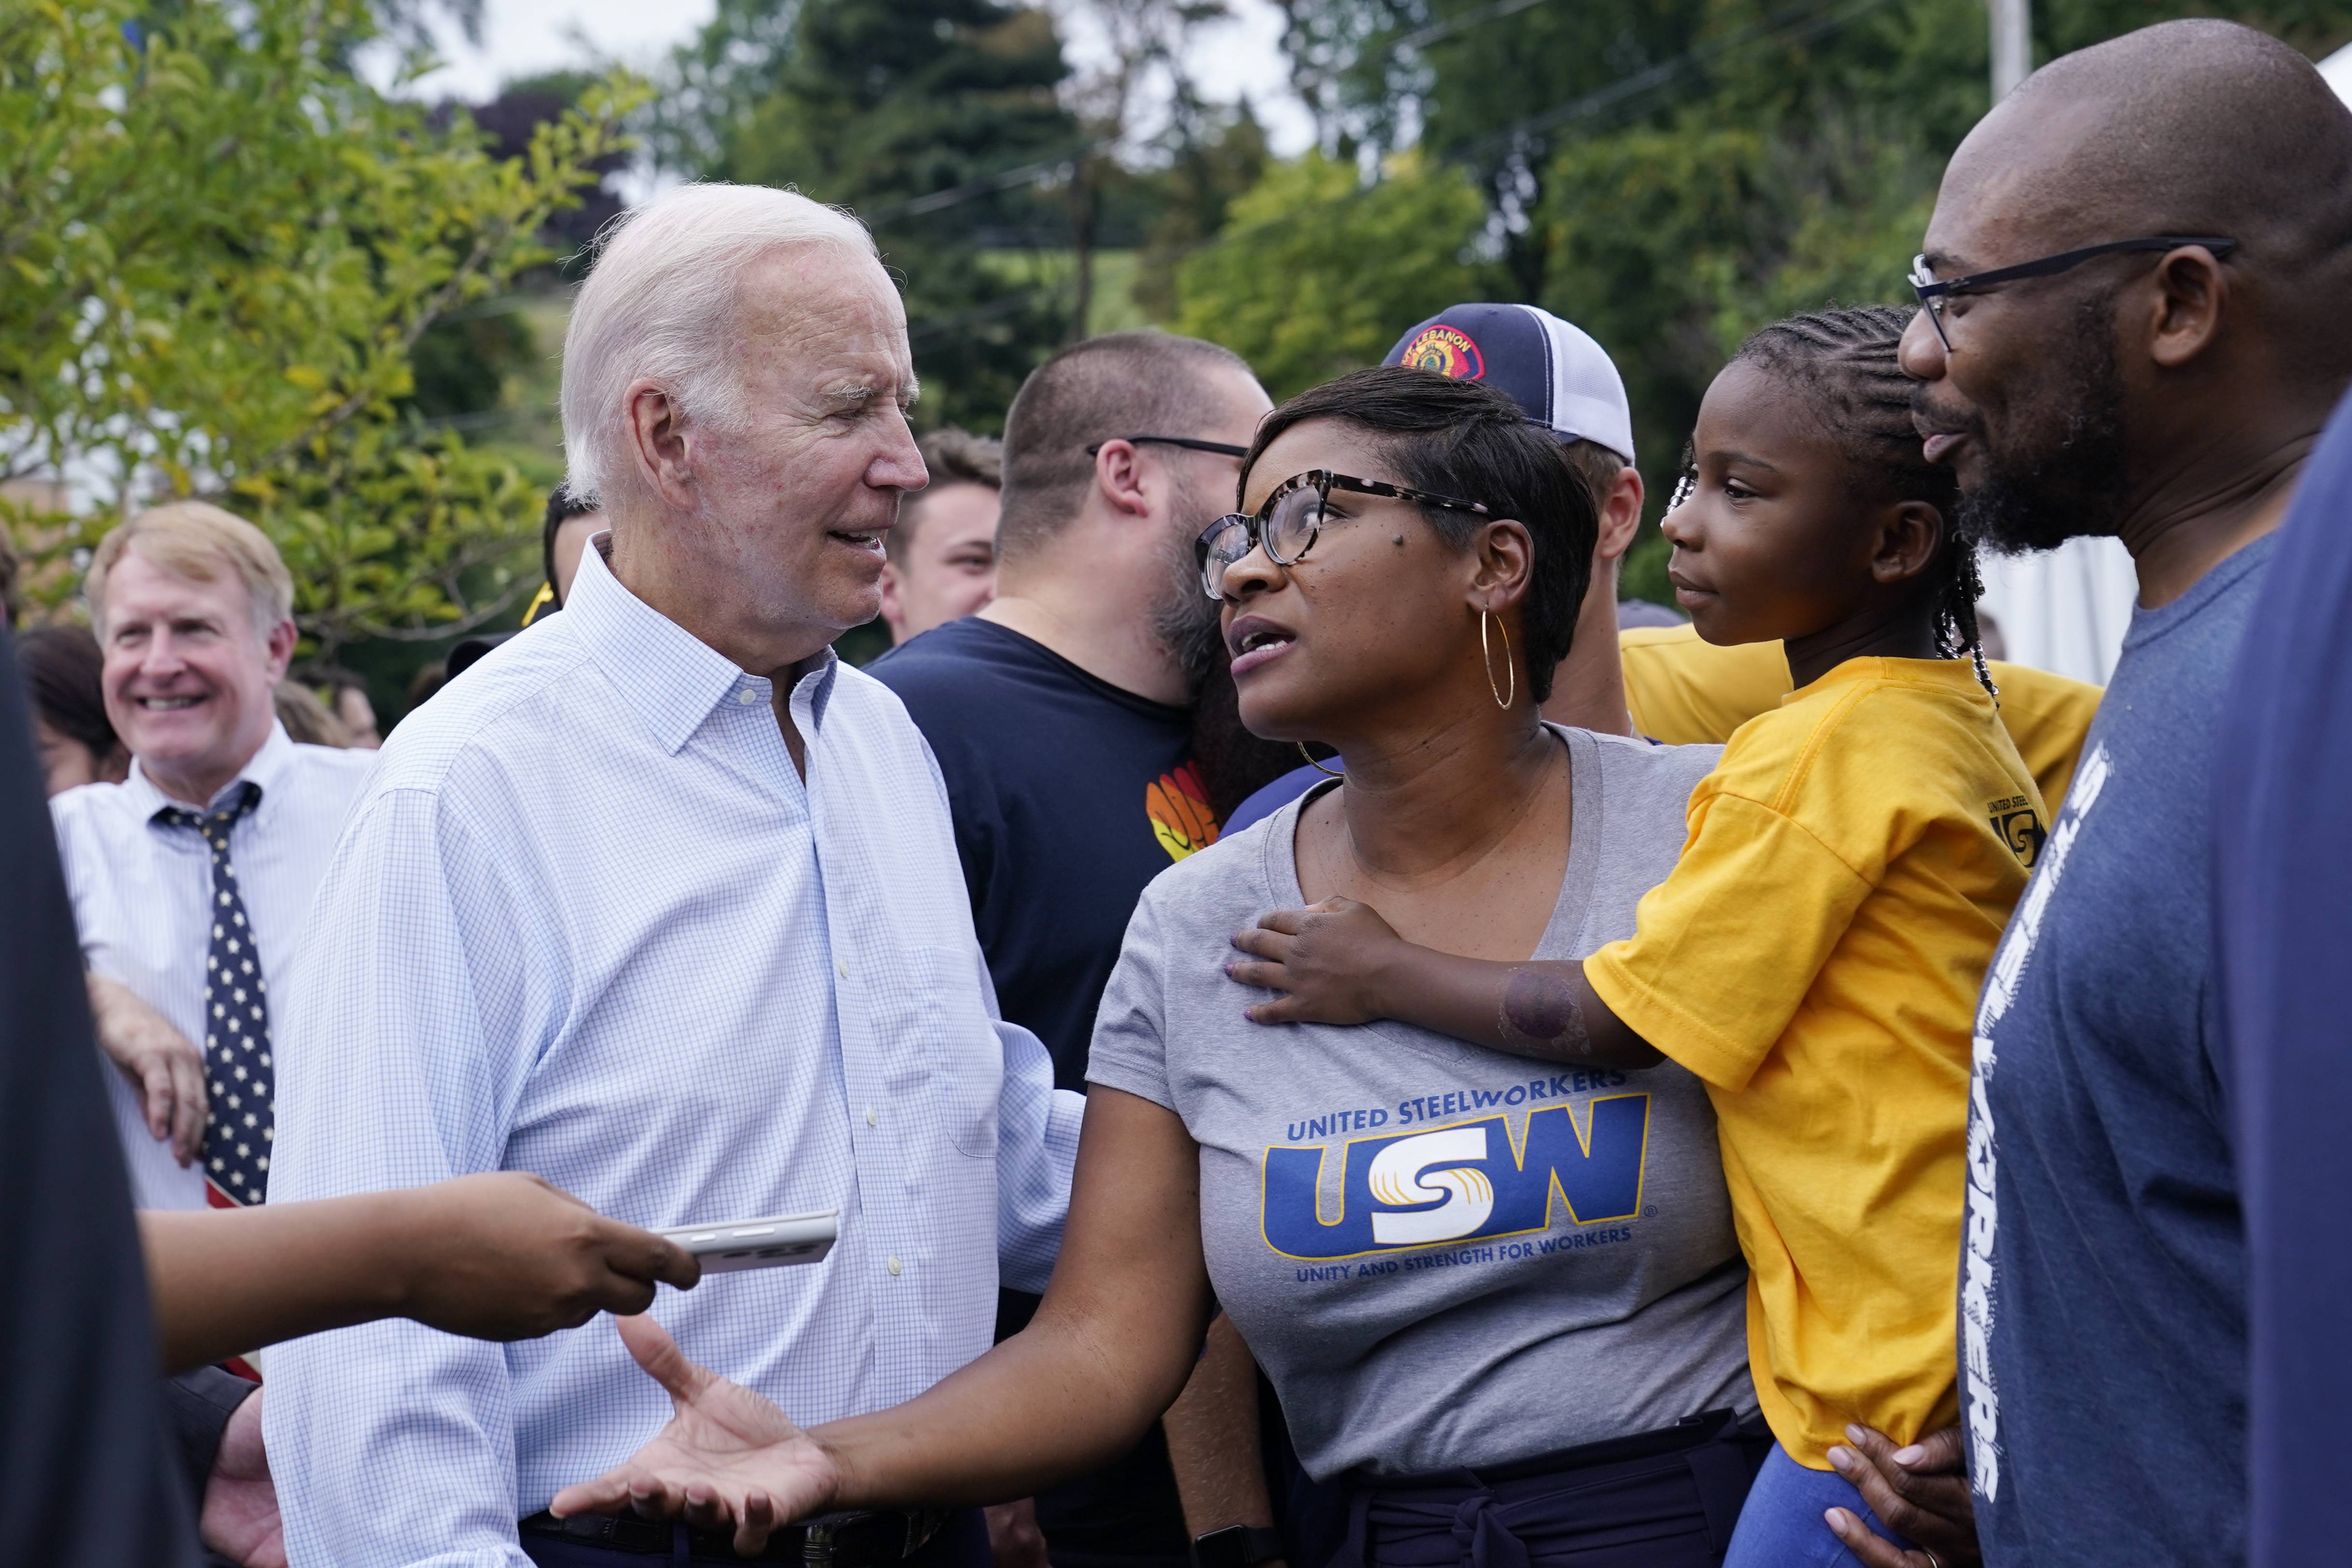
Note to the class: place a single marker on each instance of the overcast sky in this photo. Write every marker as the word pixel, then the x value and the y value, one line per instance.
pixel 519 36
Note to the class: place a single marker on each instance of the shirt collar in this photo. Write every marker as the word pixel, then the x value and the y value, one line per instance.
pixel 267 767
pixel 1958 675
pixel 670 676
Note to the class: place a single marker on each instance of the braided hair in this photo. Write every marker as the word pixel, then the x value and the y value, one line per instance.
pixel 1845 360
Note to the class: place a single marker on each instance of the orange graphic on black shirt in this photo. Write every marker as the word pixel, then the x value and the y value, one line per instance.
pixel 1178 806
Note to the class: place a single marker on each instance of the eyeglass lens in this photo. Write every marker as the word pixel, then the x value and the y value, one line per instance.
pixel 1291 529
pixel 1923 276
pixel 1227 542
pixel 1286 532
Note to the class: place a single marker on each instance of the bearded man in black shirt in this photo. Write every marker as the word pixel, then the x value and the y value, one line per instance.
pixel 1062 716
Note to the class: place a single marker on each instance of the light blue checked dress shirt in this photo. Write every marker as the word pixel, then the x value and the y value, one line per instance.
pixel 143 898
pixel 589 922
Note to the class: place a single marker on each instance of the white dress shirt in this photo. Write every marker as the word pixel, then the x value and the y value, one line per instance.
pixel 589 922
pixel 142 895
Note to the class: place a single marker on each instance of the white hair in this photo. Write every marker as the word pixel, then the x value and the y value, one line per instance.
pixel 659 306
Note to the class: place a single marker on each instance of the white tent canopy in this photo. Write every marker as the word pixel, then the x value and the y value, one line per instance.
pixel 2067 610
pixel 2337 69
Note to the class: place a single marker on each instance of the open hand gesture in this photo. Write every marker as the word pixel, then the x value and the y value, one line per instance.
pixel 1328 958
pixel 727 1458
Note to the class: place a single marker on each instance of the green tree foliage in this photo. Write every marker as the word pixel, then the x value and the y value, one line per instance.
pixel 220 250
pixel 1214 156
pixel 1671 245
pixel 931 119
pixel 1673 174
pixel 1318 271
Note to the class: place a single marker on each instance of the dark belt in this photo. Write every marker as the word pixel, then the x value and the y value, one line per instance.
pixel 1484 1510
pixel 862 1539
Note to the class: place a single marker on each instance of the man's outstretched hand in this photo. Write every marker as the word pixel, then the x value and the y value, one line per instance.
pixel 728 1458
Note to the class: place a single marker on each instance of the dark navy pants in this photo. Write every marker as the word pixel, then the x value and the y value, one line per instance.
pixel 1658 1499
pixel 961 1543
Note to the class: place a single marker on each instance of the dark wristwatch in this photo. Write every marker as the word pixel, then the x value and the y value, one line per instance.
pixel 1236 1546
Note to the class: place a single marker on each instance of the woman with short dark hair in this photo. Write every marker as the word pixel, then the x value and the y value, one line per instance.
pixel 1502 1307
pixel 65 677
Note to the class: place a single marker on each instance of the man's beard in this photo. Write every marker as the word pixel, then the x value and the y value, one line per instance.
pixel 1185 618
pixel 2071 480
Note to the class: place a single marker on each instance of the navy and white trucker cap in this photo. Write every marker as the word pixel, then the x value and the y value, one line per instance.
pixel 1552 368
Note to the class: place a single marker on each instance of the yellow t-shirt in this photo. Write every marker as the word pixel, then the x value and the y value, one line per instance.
pixel 1814 958
pixel 1682 689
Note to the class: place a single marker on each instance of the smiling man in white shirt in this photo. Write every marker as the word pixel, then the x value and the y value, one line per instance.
pixel 661 902
pixel 190 878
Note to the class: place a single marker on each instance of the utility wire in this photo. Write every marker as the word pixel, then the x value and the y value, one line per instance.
pixel 1421 38
pixel 1800 24
pixel 1036 174
pixel 1794 25
pixel 1059 165
pixel 963 320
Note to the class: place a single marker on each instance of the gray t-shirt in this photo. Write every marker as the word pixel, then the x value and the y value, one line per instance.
pixel 1440 1255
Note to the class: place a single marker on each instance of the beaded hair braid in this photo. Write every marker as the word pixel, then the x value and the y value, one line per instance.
pixel 1846 359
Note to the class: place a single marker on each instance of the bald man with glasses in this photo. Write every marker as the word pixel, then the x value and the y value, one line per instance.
pixel 2131 325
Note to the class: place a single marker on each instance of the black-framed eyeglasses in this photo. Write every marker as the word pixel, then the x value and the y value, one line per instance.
pixel 1286 525
pixel 1932 291
pixel 1191 444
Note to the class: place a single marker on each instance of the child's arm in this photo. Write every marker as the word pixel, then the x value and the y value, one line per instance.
pixel 1339 963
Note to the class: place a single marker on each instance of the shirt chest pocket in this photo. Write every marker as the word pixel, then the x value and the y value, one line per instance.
pixel 942 1044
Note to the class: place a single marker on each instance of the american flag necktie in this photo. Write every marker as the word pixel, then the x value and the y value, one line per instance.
pixel 238 1082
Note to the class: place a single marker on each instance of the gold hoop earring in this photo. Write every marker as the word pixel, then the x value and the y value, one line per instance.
pixel 1487 657
pixel 1318 767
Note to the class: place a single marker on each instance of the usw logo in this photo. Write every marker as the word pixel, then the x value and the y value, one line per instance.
pixel 1460 1182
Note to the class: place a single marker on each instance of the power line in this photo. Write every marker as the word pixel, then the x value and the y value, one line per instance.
pixel 1036 174
pixel 1797 24
pixel 1059 165
pixel 1421 38
pixel 955 325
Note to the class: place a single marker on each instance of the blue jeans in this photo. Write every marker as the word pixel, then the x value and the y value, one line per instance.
pixel 1781 1525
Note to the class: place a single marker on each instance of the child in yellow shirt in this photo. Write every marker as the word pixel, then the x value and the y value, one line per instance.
pixel 1815 955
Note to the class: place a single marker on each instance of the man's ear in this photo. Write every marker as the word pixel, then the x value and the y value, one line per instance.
pixel 1621 515
pixel 658 443
pixel 279 646
pixel 1119 475
pixel 2185 303
pixel 1910 532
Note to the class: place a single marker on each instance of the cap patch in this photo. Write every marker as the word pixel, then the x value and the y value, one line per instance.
pixel 1447 350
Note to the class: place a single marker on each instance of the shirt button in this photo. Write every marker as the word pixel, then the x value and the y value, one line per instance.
pixel 843 969
pixel 871 1119
pixel 894 1265
pixel 746 697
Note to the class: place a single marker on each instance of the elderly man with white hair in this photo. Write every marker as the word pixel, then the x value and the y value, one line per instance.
pixel 661 902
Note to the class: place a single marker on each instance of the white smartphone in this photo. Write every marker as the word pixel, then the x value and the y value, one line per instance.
pixel 774 1243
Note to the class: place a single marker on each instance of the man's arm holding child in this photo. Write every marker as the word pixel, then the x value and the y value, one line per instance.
pixel 1339 963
